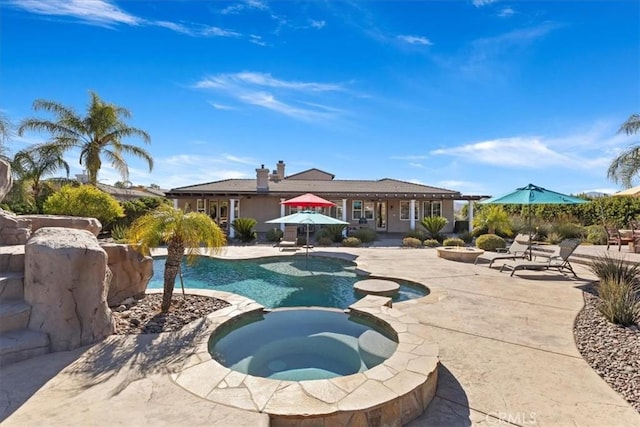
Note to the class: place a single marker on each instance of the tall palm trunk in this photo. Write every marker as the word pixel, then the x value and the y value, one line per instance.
pixel 175 252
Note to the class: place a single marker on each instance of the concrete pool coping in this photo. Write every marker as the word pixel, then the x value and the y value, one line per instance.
pixel 400 388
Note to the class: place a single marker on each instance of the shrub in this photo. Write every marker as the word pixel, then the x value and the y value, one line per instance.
pixel 119 233
pixel 466 237
pixel 335 232
pixel 431 243
pixel 418 234
pixel 244 229
pixel 411 242
pixel 324 241
pixel 495 218
pixel 490 242
pixel 274 235
pixel 554 238
pixel 479 231
pixel 301 240
pixel 618 301
pixel 134 209
pixel 86 201
pixel 606 267
pixel 618 289
pixel 351 242
pixel 542 230
pixel 453 241
pixel 596 235
pixel 365 235
pixel 433 225
pixel 569 230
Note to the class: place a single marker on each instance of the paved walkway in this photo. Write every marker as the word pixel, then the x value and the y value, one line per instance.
pixel 506 349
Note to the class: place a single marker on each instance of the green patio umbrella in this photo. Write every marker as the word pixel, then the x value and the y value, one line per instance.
pixel 307 218
pixel 533 195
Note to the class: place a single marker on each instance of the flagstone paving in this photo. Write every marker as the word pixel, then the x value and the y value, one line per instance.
pixel 506 351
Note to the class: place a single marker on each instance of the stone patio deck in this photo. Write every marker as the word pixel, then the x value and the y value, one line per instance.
pixel 506 344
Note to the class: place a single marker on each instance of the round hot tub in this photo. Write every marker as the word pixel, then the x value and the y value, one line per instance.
pixel 301 344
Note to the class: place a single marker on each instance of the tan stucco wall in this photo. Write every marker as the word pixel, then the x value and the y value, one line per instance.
pixel 264 208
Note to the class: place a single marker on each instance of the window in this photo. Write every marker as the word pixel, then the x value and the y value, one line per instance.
pixel 200 205
pixel 336 211
pixel 368 210
pixel 405 207
pixel 432 208
pixel 356 209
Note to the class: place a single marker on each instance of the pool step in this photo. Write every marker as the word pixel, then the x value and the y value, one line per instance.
pixel 17 343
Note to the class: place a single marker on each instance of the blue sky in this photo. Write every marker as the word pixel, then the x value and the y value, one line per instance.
pixel 479 96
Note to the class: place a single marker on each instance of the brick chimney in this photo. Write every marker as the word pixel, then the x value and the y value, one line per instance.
pixel 262 179
pixel 280 167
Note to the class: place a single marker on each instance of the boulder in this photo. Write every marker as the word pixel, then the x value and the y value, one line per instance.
pixel 14 230
pixel 6 179
pixel 77 222
pixel 66 281
pixel 131 272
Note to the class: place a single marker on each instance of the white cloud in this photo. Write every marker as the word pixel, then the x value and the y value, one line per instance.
pixel 318 24
pixel 420 40
pixel 296 99
pixel 222 106
pixel 105 13
pixel 416 165
pixel 92 11
pixel 506 12
pixel 480 3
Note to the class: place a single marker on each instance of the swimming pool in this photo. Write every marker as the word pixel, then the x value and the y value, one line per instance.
pixel 291 281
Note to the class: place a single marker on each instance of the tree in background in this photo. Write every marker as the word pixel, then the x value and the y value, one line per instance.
pixel 626 166
pixel 97 135
pixel 31 166
pixel 6 130
pixel 179 231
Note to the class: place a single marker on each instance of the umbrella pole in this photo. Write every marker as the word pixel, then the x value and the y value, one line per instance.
pixel 530 234
pixel 307 240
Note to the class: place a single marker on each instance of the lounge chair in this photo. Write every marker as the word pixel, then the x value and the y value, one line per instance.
pixel 559 259
pixel 289 239
pixel 518 249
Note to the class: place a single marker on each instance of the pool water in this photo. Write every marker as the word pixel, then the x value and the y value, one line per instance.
pixel 290 281
pixel 300 344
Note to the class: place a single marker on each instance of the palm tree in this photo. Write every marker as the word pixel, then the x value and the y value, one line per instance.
pixel 495 218
pixel 179 231
pixel 98 135
pixel 626 166
pixel 5 134
pixel 30 166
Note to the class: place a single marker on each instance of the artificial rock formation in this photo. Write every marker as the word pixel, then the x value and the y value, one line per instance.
pixel 6 179
pixel 131 272
pixel 66 281
pixel 92 225
pixel 14 230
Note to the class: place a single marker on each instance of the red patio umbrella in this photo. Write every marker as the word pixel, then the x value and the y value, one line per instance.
pixel 308 201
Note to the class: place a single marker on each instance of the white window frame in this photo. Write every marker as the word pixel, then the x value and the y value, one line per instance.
pixel 408 207
pixel 368 208
pixel 358 211
pixel 428 208
pixel 200 205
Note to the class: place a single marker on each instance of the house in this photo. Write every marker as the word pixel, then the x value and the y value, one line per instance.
pixel 385 205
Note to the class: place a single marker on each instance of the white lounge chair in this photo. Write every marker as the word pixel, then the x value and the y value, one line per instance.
pixel 518 249
pixel 559 259
pixel 289 239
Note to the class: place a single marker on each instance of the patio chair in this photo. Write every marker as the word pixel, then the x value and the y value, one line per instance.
pixel 559 259
pixel 614 237
pixel 289 238
pixel 518 249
